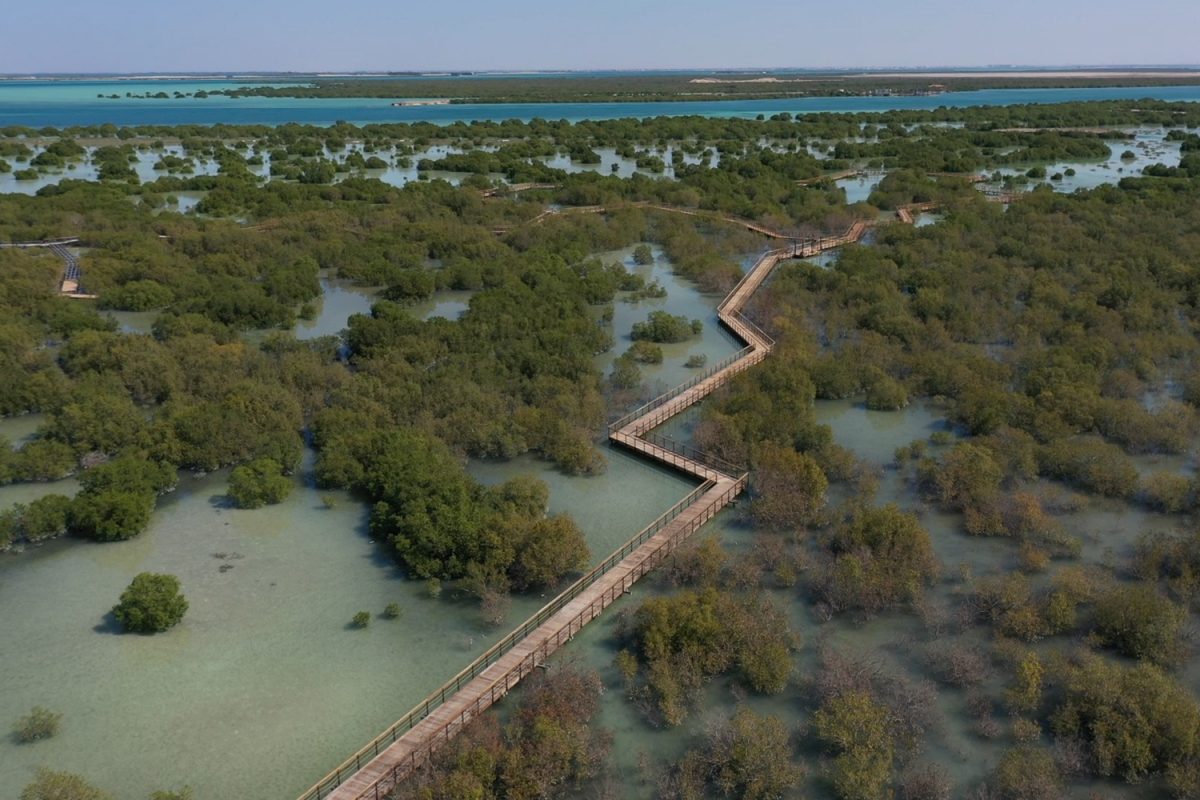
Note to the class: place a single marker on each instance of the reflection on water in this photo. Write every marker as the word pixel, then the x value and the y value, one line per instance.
pixel 20 429
pixel 645 491
pixel 859 189
pixel 134 321
pixel 262 685
pixel 339 300
pixel 1149 147
pixel 449 305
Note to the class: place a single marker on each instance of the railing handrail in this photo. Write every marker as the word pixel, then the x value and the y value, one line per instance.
pixel 422 710
pixel 759 332
pixel 739 483
pixel 749 274
pixel 693 453
pixel 671 394
pixel 65 240
pixel 489 656
pixel 426 747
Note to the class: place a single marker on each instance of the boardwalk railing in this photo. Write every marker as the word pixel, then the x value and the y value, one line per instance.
pixel 448 728
pixel 671 394
pixel 491 675
pixel 355 762
pixel 692 453
pixel 759 333
pixel 43 242
pixel 747 276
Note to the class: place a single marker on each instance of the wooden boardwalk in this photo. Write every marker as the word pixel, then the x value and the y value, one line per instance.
pixel 715 216
pixel 66 240
pixel 908 214
pixel 71 284
pixel 377 768
pixel 832 177
pixel 516 188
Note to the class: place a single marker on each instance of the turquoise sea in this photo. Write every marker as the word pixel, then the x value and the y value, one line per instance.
pixel 66 103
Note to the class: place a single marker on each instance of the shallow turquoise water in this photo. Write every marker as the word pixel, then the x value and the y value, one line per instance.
pixel 65 103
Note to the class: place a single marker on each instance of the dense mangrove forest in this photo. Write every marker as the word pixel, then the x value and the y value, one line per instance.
pixel 998 601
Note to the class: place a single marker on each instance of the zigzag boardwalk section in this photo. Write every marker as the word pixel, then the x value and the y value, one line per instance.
pixel 376 769
pixel 907 214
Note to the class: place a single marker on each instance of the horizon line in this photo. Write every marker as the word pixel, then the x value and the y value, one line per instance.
pixel 864 69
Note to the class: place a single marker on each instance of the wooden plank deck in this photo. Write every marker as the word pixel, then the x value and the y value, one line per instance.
pixel 444 718
pixel 72 279
pixel 382 773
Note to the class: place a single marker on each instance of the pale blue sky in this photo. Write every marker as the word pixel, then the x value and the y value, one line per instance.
pixel 325 35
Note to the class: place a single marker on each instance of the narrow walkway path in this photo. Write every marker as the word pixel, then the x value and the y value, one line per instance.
pixel 841 176
pixel 999 195
pixel 376 769
pixel 71 284
pixel 516 188
pixel 716 216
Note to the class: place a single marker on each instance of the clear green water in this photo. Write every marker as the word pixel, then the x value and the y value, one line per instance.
pixel 19 430
pixel 394 174
pixel 63 103
pixel 859 189
pixel 1149 147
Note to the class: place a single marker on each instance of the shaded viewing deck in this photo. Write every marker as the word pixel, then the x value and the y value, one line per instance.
pixel 376 769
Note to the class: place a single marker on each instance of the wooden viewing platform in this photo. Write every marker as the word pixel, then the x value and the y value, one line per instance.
pixel 376 769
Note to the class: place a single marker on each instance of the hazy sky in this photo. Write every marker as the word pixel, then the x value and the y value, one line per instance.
pixel 321 35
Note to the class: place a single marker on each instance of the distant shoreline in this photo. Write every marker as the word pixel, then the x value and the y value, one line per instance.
pixel 730 74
